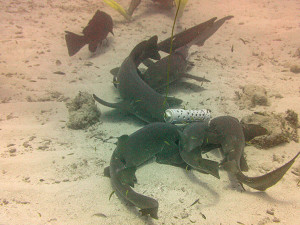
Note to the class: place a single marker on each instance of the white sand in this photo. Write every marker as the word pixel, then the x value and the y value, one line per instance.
pixel 53 175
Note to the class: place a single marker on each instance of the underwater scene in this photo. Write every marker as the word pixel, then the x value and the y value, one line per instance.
pixel 149 112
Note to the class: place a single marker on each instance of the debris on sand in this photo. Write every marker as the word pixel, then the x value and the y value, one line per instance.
pixel 251 96
pixel 83 111
pixel 295 69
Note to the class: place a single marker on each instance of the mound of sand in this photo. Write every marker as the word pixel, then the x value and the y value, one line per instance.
pixel 83 111
pixel 281 128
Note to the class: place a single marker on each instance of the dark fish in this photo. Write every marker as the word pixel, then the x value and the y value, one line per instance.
pixel 228 132
pixel 93 34
pixel 156 74
pixel 138 97
pixel 133 151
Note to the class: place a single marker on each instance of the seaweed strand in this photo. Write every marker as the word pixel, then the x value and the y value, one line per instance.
pixel 169 58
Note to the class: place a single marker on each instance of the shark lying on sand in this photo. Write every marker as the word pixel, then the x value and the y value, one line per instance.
pixel 154 140
pixel 227 132
pixel 156 74
pixel 138 97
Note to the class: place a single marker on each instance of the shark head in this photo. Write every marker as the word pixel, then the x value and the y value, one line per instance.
pixel 193 136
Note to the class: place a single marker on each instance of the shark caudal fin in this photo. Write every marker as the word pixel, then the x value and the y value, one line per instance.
pixel 263 182
pixel 74 42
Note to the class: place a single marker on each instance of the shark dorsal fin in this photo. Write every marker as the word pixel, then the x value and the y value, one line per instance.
pixel 122 139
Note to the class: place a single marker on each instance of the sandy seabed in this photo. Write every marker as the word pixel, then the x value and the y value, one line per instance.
pixel 51 174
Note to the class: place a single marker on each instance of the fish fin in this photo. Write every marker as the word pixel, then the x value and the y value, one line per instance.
pixel 93 45
pixel 118 105
pixel 206 34
pixel 200 79
pixel 244 164
pixel 185 37
pixel 195 160
pixel 122 140
pixel 211 167
pixel 106 172
pixel 263 182
pixel 172 101
pixel 151 50
pixel 117 7
pixel 127 176
pixel 148 62
pixel 150 211
pixel 115 71
pixel 74 42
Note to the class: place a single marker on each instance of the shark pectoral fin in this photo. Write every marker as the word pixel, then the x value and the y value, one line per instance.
pixel 148 62
pixel 200 79
pixel 210 167
pixel 195 160
pixel 172 101
pixel 150 211
pixel 127 176
pixel 115 71
pixel 263 182
pixel 106 172
pixel 170 155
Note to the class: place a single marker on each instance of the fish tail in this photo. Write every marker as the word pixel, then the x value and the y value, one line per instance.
pixel 263 182
pixel 147 205
pixel 74 42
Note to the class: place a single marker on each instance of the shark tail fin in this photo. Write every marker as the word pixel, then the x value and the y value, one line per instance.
pixel 263 182
pixel 74 42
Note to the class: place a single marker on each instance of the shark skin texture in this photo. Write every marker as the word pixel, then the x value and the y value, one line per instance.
pixel 228 134
pixel 156 140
